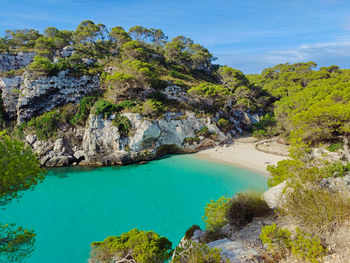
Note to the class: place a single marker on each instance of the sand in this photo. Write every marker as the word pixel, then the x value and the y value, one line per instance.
pixel 241 153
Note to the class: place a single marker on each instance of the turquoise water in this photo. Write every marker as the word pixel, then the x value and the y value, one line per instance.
pixel 76 206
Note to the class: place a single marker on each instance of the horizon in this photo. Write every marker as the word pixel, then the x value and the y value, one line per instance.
pixel 249 36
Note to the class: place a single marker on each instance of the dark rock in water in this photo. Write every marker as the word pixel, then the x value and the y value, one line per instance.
pixel 62 160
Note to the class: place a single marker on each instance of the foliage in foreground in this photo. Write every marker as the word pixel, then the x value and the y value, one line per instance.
pixel 317 210
pixel 215 213
pixel 16 243
pixel 193 252
pixel 141 246
pixel 281 243
pixel 19 171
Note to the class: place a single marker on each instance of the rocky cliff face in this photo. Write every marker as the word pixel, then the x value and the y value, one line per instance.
pixel 15 61
pixel 100 142
pixel 26 96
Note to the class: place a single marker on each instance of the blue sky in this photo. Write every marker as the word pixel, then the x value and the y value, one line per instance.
pixel 246 34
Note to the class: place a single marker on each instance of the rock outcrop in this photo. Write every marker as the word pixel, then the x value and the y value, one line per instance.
pixel 26 96
pixel 16 61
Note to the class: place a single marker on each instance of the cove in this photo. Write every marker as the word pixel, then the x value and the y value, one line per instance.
pixel 75 206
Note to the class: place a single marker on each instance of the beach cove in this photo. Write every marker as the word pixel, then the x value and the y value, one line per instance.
pixel 76 206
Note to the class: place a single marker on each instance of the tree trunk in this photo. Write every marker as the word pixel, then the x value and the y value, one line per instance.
pixel 346 147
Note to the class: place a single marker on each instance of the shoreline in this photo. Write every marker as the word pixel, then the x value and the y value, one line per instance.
pixel 242 153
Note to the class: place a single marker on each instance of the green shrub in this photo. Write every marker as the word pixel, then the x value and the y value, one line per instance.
pixel 2 111
pixel 266 127
pixel 306 247
pixel 177 75
pixel 123 124
pixel 84 110
pixel 315 209
pixel 152 107
pixel 225 125
pixel 193 252
pixel 302 245
pixel 335 147
pixel 41 65
pixel 46 125
pixel 141 246
pixel 127 104
pixel 105 108
pixel 223 122
pixel 277 239
pixel 337 169
pixel 204 131
pixel 243 207
pixel 215 213
pixel 189 233
pixel 284 170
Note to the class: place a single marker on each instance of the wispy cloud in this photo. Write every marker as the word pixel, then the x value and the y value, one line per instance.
pixel 324 54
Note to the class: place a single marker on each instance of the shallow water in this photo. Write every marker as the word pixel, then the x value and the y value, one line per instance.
pixel 76 206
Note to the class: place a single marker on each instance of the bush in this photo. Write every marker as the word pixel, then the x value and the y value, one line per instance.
pixel 105 108
pixel 41 65
pixel 317 210
pixel 335 147
pixel 223 122
pixel 243 207
pixel 127 104
pixel 2 111
pixel 152 107
pixel 284 170
pixel 84 110
pixel 46 125
pixel 225 125
pixel 276 239
pixel 215 213
pixel 177 75
pixel 123 124
pixel 306 247
pixel 141 246
pixel 204 131
pixel 189 233
pixel 266 127
pixel 302 245
pixel 193 252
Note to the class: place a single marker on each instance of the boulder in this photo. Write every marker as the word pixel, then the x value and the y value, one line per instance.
pixel 60 160
pixel 235 251
pixel 79 155
pixel 62 146
pixel 337 183
pixel 273 196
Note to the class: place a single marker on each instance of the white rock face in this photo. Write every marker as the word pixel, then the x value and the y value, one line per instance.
pixel 15 61
pixel 273 196
pixel 234 251
pixel 102 137
pixel 174 92
pixel 10 88
pixel 25 96
pixel 166 131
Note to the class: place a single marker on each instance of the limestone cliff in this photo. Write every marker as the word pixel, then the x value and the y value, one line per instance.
pixel 100 142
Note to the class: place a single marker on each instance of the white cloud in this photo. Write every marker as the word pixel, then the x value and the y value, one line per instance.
pixel 324 54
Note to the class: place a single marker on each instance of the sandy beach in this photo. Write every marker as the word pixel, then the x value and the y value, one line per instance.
pixel 241 153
